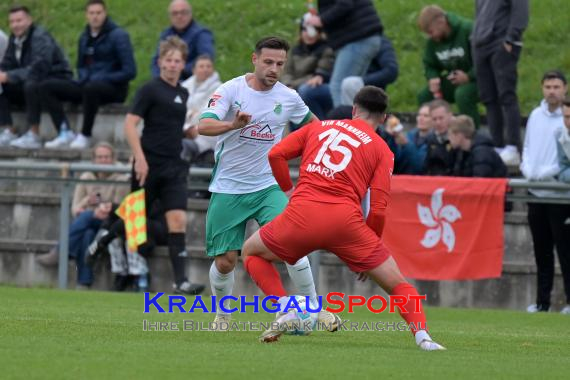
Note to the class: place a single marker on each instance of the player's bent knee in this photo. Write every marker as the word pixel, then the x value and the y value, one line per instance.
pixel 226 263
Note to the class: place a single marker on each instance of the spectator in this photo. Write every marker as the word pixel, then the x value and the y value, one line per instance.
pixel 439 156
pixel 92 204
pixel 547 222
pixel 447 60
pixel 201 85
pixel 32 57
pixel 354 32
pixel 410 148
pixel 3 44
pixel 308 71
pixel 497 43
pixel 200 40
pixel 105 65
pixel 476 156
pixel 563 144
pixel 129 267
pixel 383 70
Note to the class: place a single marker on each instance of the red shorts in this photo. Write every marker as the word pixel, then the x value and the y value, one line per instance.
pixel 338 228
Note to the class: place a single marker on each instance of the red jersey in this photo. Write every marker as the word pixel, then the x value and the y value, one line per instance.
pixel 341 159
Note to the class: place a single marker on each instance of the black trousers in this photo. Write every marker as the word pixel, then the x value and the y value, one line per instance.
pixel 550 227
pixel 497 76
pixel 22 94
pixel 91 96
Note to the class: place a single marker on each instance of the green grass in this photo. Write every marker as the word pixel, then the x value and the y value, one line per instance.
pixel 65 334
pixel 237 24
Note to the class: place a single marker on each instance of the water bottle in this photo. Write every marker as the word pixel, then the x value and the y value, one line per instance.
pixel 143 282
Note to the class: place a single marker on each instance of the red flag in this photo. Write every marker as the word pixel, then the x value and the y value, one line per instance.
pixel 446 228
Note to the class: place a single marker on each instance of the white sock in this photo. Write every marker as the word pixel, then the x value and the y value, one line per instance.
pixel 421 335
pixel 222 285
pixel 302 277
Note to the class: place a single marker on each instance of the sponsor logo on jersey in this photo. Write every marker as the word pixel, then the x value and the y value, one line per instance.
pixel 178 99
pixel 213 100
pixel 259 133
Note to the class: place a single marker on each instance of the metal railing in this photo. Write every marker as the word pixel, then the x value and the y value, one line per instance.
pixel 64 173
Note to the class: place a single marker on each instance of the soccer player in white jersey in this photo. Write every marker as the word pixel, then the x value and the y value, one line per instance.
pixel 249 114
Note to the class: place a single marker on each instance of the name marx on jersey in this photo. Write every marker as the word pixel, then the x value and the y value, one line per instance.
pixel 362 136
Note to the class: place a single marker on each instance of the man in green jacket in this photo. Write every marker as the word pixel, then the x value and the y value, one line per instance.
pixel 447 60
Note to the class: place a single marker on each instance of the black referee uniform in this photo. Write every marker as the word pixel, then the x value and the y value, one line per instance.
pixel 163 109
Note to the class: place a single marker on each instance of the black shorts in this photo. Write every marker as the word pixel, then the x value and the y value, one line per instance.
pixel 167 181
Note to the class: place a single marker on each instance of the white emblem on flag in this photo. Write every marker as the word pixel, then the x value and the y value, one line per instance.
pixel 439 219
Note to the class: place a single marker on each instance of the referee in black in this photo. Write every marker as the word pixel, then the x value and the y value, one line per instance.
pixel 161 103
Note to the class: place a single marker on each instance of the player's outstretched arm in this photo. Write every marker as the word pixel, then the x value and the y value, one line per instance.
pixel 287 149
pixel 212 127
pixel 380 194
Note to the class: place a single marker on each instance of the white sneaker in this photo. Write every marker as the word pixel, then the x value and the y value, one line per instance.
pixel 565 310
pixel 61 141
pixel 28 140
pixel 430 345
pixel 511 157
pixel 222 322
pixel 80 142
pixel 535 309
pixel 6 137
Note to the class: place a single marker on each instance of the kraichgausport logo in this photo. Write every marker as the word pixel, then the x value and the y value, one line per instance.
pixel 272 304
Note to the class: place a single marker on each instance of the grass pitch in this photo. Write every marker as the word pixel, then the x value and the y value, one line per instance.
pixel 69 334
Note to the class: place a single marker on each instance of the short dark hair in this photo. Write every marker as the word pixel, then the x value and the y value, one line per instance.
pixel 554 74
pixel 19 8
pixel 272 42
pixel 437 103
pixel 372 99
pixel 95 2
pixel 202 57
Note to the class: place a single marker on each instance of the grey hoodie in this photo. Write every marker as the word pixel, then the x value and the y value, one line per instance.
pixel 498 21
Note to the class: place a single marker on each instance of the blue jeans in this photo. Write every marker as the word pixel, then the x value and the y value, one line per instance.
pixel 81 233
pixel 352 59
pixel 318 99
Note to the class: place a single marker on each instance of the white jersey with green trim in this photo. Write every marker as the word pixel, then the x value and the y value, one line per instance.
pixel 241 155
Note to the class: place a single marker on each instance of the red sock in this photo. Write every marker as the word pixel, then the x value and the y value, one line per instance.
pixel 415 318
pixel 264 274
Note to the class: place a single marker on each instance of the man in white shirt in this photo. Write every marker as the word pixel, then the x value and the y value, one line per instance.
pixel 540 163
pixel 249 114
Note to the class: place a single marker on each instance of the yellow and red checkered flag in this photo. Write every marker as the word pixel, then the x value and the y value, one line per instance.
pixel 133 211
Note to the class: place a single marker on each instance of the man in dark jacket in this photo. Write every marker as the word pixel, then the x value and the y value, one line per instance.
pixel 32 57
pixel 476 156
pixel 200 40
pixel 105 65
pixel 447 60
pixel 497 44
pixel 354 31
pixel 440 155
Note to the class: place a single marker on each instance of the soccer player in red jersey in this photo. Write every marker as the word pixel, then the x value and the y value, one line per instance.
pixel 341 160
